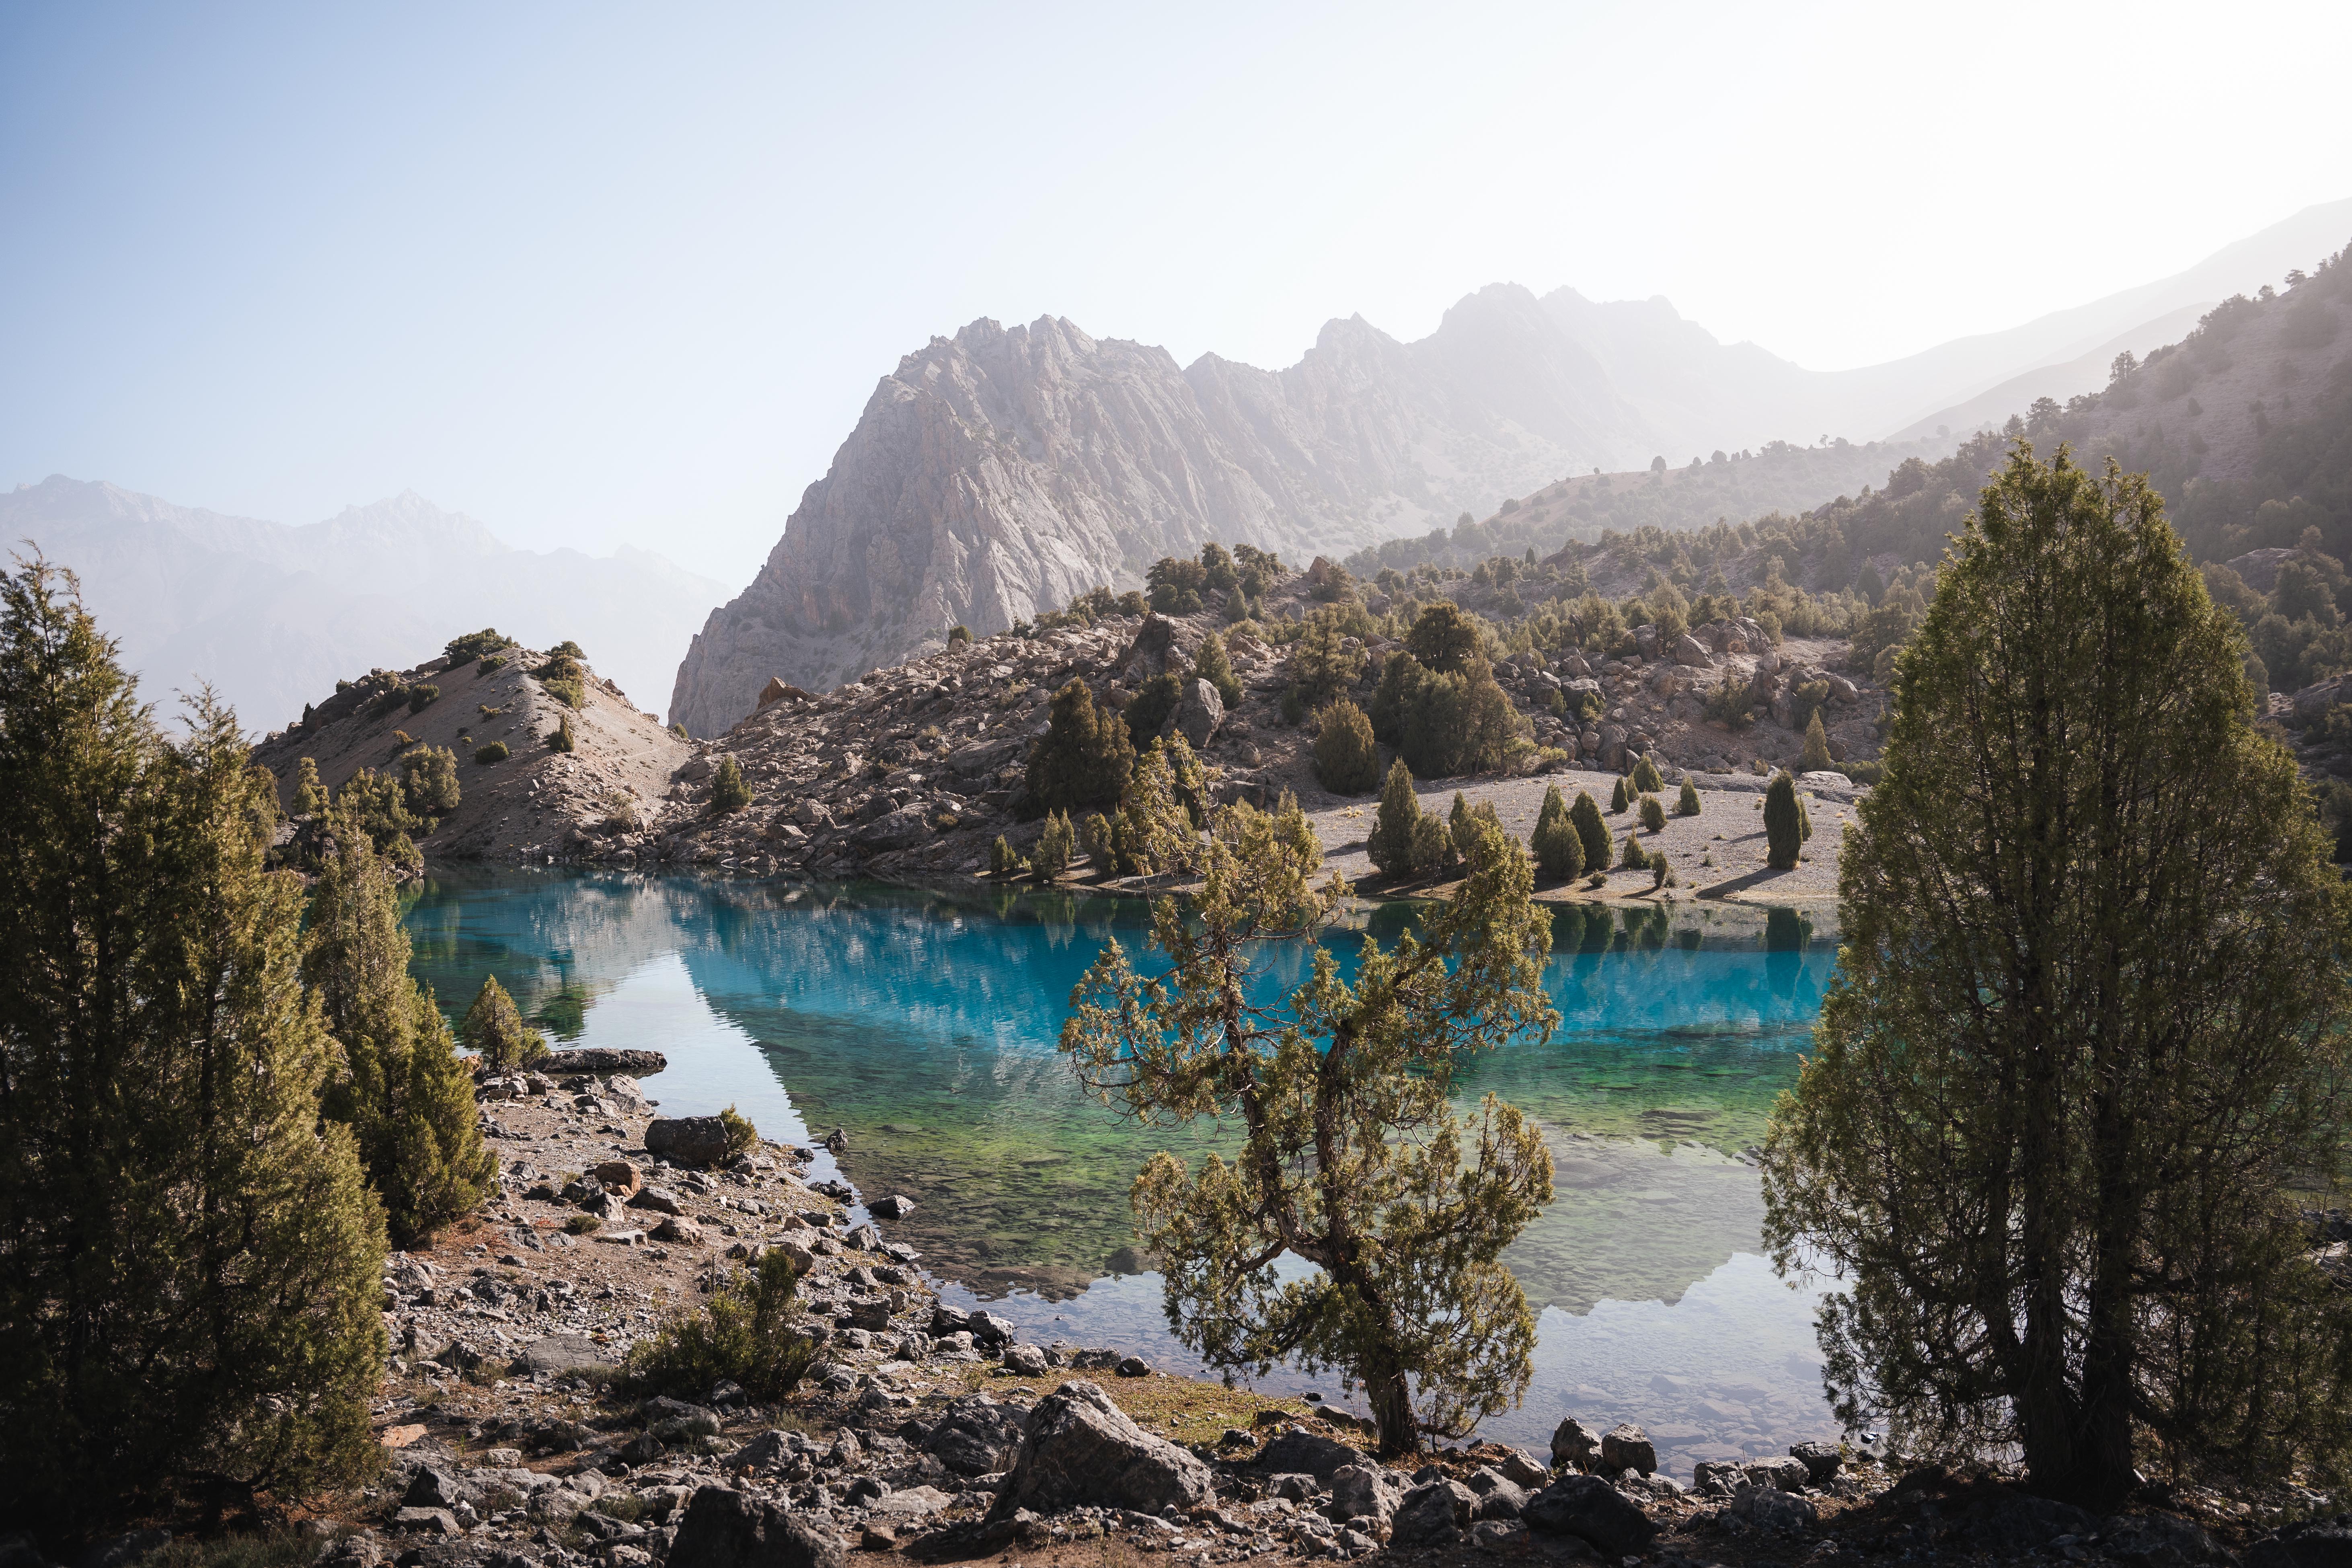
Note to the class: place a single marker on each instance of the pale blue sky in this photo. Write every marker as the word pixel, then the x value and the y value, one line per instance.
pixel 595 273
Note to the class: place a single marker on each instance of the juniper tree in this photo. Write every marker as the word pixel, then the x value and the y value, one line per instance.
pixel 1585 815
pixel 1620 797
pixel 429 783
pixel 399 1085
pixel 495 1031
pixel 1815 758
pixel 1652 813
pixel 190 1262
pixel 729 791
pixel 1353 1158
pixel 1211 663
pixel 1084 758
pixel 1153 831
pixel 309 794
pixel 1636 855
pixel 1786 824
pixel 1389 844
pixel 2086 1038
pixel 1686 804
pixel 1056 846
pixel 1647 780
pixel 1346 761
pixel 1558 849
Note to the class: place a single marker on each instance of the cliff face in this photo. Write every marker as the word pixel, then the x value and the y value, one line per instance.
pixel 1003 472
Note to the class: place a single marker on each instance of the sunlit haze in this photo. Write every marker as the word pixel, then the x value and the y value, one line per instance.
pixel 599 273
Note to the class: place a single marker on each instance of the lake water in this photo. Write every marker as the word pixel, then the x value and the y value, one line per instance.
pixel 923 1025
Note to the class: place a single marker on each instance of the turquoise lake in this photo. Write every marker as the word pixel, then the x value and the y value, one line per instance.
pixel 923 1025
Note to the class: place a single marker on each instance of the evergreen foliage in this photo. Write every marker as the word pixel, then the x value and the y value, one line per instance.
pixel 1786 825
pixel 1346 759
pixel 1461 824
pixel 1084 759
pixel 496 752
pixel 1558 849
pixel 959 636
pixel 1004 860
pixel 1443 638
pixel 1636 855
pixel 420 697
pixel 741 1335
pixel 1353 1157
pixel 1153 705
pixel 1389 844
pixel 1619 797
pixel 190 1262
pixel 377 805
pixel 1212 664
pixel 464 650
pixel 1585 815
pixel 1432 845
pixel 1056 847
pixel 2087 1042
pixel 741 1134
pixel 428 783
pixel 400 1085
pixel 1444 722
pixel 1647 780
pixel 1154 829
pixel 310 793
pixel 729 791
pixel 1815 758
pixel 1730 702
pixel 1095 837
pixel 495 1031
pixel 1654 815
pixel 1686 804
pixel 1322 665
pixel 561 737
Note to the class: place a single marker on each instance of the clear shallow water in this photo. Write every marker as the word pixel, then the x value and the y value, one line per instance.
pixel 924 1026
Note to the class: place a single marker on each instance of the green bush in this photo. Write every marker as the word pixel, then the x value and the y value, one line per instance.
pixel 1786 824
pixel 1346 759
pixel 1662 870
pixel 1004 860
pixel 309 794
pixel 679 730
pixel 1292 709
pixel 1461 824
pixel 1055 847
pixel 389 701
pixel 1646 778
pixel 741 1134
pixel 376 805
pixel 1636 857
pixel 1654 815
pixel 1558 849
pixel 567 648
pixel 1686 804
pixel 495 1031
pixel 1212 665
pixel 739 1336
pixel 490 665
pixel 1095 838
pixel 1805 703
pixel 730 792
pixel 1731 703
pixel 958 637
pixel 496 752
pixel 1815 758
pixel 1084 759
pixel 1863 772
pixel 420 697
pixel 1619 797
pixel 582 1224
pixel 570 690
pixel 1586 816
pixel 560 738
pixel 1432 845
pixel 428 783
pixel 1389 844
pixel 465 650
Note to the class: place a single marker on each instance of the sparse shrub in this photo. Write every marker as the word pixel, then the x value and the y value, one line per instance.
pixel 487 711
pixel 730 792
pixel 490 665
pixel 1654 815
pixel 1559 850
pixel 1619 797
pixel 582 1224
pixel 1805 703
pixel 465 650
pixel 570 690
pixel 1346 759
pixel 1095 837
pixel 741 1336
pixel 420 697
pixel 1636 856
pixel 1585 815
pixel 402 738
pixel 495 1031
pixel 389 701
pixel 1055 847
pixel 1863 772
pixel 1084 758
pixel 1815 758
pixel 1730 702
pixel 1212 665
pixel 309 794
pixel 1786 826
pixel 1646 778
pixel 496 752
pixel 958 637
pixel 1389 844
pixel 741 1134
pixel 679 730
pixel 429 783
pixel 560 738
pixel 567 648
pixel 1686 804
pixel 1293 706
pixel 1004 860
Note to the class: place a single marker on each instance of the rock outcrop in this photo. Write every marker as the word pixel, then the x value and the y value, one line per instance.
pixel 1003 472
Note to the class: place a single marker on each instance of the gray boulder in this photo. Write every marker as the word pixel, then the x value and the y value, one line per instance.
pixel 1626 1447
pixel 2163 1540
pixel 1081 1450
pixel 1767 1507
pixel 1821 1461
pixel 600 1061
pixel 1307 1453
pixel 567 1356
pixel 1362 1490
pixel 1199 713
pixel 725 1528
pixel 1499 1496
pixel 432 1487
pixel 976 1435
pixel 1520 1467
pixel 687 1140
pixel 1688 649
pixel 895 1207
pixel 1592 1511
pixel 1779 1475
pixel 1433 1515
pixel 1574 1446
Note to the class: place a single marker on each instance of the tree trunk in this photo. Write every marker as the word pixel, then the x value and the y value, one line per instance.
pixel 1390 1394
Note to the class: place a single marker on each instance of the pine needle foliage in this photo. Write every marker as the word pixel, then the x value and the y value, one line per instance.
pixel 1213 665
pixel 1389 844
pixel 310 793
pixel 494 1030
pixel 2088 1037
pixel 1654 815
pixel 1585 815
pixel 189 1261
pixel 1346 759
pixel 1353 1157
pixel 1084 757
pixel 1647 777
pixel 1815 757
pixel 1636 855
pixel 1686 804
pixel 1558 848
pixel 1619 797
pixel 743 1335
pixel 1787 824
pixel 400 1085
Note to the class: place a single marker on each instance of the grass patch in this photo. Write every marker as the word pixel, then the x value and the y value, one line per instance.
pixel 582 1224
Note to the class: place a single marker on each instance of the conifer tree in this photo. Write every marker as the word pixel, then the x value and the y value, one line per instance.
pixel 561 737
pixel 1095 837
pixel 1686 804
pixel 1055 847
pixel 309 794
pixel 1353 1157
pixel 189 1261
pixel 2087 1039
pixel 729 791
pixel 1212 664
pixel 1585 815
pixel 1084 757
pixel 1652 813
pixel 1785 825
pixel 1646 778
pixel 1815 758
pixel 1619 797
pixel 495 1031
pixel 1154 829
pixel 1636 856
pixel 400 1086
pixel 1389 844
pixel 429 783
pixel 1558 849
pixel 1346 762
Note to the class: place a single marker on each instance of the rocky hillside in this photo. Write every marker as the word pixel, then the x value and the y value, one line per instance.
pixel 1001 472
pixel 604 798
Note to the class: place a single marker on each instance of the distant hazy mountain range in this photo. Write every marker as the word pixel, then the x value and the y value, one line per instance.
pixel 1001 471
pixel 273 616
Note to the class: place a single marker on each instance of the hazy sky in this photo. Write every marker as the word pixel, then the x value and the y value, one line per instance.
pixel 595 273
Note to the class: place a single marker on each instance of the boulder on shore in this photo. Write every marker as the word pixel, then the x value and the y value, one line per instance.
pixel 687 1139
pixel 1081 1450
pixel 725 1528
pixel 601 1061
